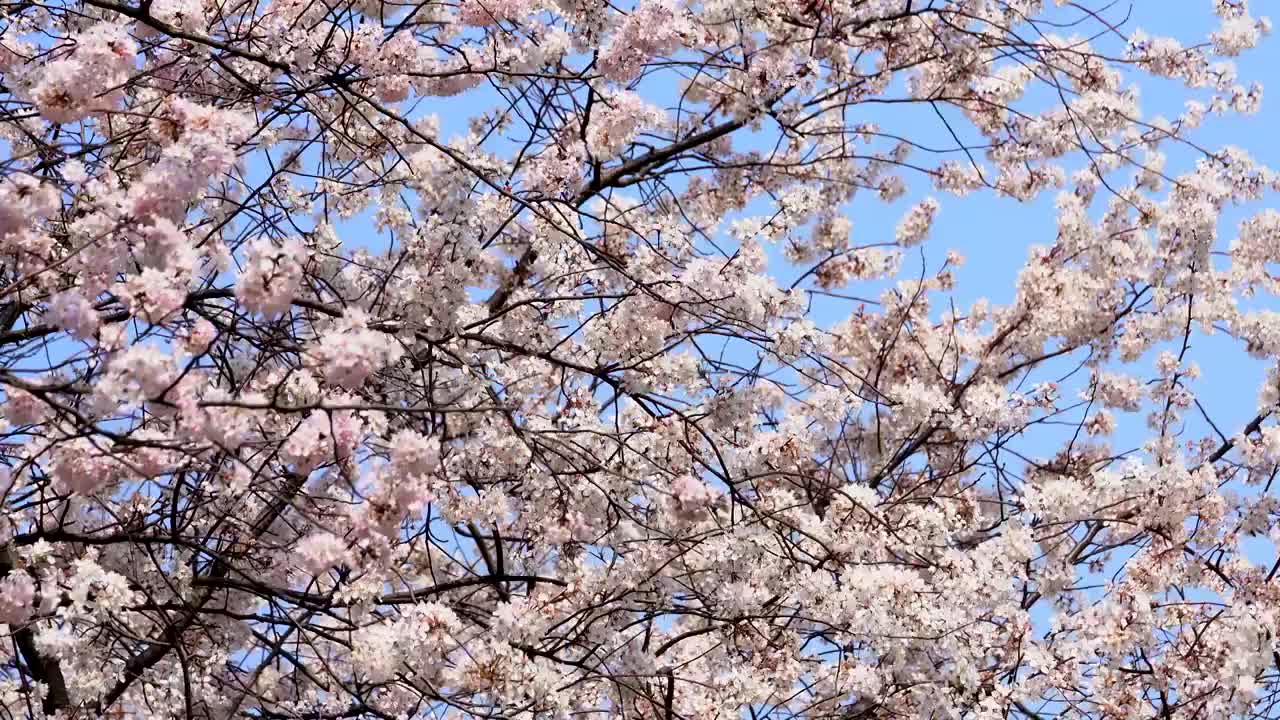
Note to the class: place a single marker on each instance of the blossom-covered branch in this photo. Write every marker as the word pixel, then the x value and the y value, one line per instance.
pixel 521 359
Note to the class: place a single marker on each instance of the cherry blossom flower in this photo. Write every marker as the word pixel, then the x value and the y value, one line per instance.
pixel 17 593
pixel 272 276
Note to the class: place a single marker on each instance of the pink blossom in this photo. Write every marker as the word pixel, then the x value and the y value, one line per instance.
pixel 614 125
pixel 692 495
pixel 24 408
pixel 352 352
pixel 72 311
pixel 80 468
pixel 489 12
pixel 86 77
pixel 655 27
pixel 271 276
pixel 320 552
pixel 915 226
pixel 184 14
pixel 415 454
pixel 17 593
pixel 200 336
pixel 154 294
pixel 23 201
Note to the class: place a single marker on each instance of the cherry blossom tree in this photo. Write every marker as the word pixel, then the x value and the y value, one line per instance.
pixel 463 359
